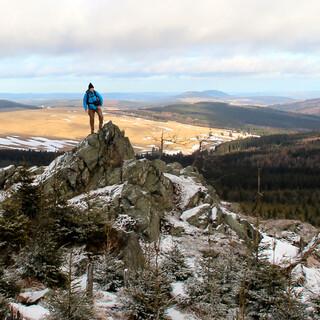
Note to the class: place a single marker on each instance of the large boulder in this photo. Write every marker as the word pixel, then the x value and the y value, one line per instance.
pixel 94 163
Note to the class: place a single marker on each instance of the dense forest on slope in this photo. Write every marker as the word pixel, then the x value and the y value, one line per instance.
pixel 224 115
pixel 290 174
pixel 26 157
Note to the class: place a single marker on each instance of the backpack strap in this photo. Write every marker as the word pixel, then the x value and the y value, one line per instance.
pixel 97 98
pixel 87 98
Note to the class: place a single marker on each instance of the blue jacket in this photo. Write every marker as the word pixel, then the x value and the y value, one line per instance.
pixel 88 101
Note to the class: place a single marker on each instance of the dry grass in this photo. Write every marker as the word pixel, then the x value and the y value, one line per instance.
pixel 72 123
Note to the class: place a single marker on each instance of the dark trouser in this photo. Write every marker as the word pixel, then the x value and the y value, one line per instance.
pixel 91 115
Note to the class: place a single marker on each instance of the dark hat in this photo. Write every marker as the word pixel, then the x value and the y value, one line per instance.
pixel 90 86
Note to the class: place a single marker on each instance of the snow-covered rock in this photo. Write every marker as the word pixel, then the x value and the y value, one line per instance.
pixel 278 251
pixel 188 191
pixel 198 216
pixel 32 297
pixel 34 312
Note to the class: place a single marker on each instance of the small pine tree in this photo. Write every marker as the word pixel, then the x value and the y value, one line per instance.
pixel 19 211
pixel 14 227
pixel 267 291
pixel 8 282
pixel 72 303
pixel 109 271
pixel 175 265
pixel 28 194
pixel 41 259
pixel 213 290
pixel 148 292
pixel 289 305
pixel 265 284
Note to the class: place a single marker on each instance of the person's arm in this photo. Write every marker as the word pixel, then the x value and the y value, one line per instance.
pixel 85 106
pixel 100 97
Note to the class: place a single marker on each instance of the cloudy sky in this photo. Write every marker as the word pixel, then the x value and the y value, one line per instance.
pixel 152 45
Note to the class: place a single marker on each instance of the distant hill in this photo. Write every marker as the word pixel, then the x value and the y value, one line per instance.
pixel 135 100
pixel 6 105
pixel 224 115
pixel 203 94
pixel 310 106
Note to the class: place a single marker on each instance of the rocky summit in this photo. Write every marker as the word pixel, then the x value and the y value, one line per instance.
pixel 145 202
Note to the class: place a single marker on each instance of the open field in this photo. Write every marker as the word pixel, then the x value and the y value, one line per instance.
pixel 71 124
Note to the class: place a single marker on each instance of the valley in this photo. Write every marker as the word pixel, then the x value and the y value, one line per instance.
pixel 58 129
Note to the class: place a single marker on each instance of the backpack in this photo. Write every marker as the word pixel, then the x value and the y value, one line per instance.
pixel 97 102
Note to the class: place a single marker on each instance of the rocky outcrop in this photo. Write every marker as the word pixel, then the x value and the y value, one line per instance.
pixel 102 174
pixel 94 163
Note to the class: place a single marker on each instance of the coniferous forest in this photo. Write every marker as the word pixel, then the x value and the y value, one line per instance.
pixel 26 157
pixel 290 174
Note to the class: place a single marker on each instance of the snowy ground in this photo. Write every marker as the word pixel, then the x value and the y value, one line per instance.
pixel 35 143
pixel 193 243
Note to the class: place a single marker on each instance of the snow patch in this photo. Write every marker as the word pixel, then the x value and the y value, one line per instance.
pixel 106 194
pixel 36 143
pixel 34 312
pixel 311 279
pixel 3 195
pixel 177 223
pixel 192 212
pixel 178 289
pixel 278 251
pixel 176 314
pixel 105 300
pixel 214 213
pixel 125 223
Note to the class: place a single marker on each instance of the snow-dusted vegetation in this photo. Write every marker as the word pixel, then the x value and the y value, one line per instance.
pixel 100 235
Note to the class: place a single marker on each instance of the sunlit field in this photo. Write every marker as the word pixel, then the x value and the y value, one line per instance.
pixel 73 124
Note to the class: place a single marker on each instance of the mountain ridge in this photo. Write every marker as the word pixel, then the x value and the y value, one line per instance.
pixel 6 105
pixel 220 114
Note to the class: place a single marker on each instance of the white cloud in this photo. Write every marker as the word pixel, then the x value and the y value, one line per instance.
pixel 126 26
pixel 199 66
pixel 145 38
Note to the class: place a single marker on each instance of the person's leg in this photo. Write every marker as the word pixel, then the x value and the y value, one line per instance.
pixel 91 115
pixel 99 111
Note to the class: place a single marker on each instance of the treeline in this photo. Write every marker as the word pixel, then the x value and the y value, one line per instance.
pixel 270 141
pixel 290 174
pixel 26 157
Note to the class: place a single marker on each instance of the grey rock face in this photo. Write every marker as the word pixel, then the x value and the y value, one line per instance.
pixel 94 163
pixel 5 174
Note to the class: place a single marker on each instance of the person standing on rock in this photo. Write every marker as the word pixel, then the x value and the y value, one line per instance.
pixel 92 103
